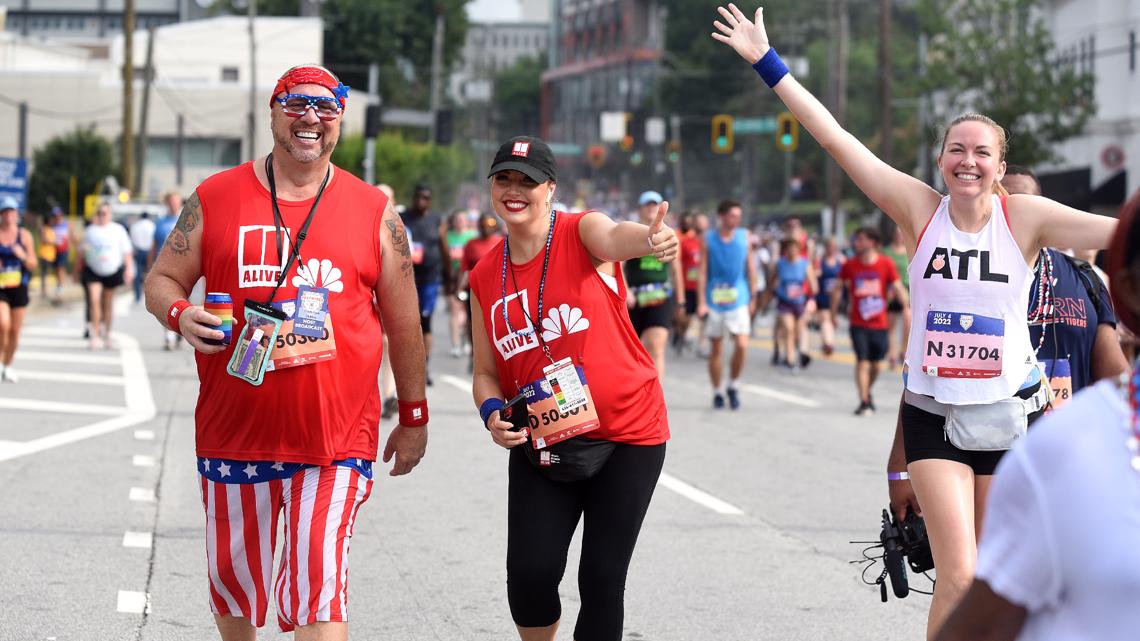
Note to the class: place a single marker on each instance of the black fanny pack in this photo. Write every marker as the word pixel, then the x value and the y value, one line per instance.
pixel 575 459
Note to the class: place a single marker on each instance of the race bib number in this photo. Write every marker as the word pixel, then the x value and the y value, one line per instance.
pixel 724 295
pixel 651 296
pixel 793 291
pixel 417 253
pixel 1060 374
pixel 871 307
pixel 960 345
pixel 693 274
pixel 560 405
pixel 10 278
pixel 293 349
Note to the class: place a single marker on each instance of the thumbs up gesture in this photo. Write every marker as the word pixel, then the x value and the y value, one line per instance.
pixel 663 241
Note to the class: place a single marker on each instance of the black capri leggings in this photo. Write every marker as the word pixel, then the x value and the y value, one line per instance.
pixel 541 518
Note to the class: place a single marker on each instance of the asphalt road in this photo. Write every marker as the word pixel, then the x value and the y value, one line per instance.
pixel 747 537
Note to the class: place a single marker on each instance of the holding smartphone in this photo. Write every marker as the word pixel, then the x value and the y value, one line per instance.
pixel 516 413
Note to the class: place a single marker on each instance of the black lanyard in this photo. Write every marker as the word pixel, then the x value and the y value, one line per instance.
pixel 537 327
pixel 279 222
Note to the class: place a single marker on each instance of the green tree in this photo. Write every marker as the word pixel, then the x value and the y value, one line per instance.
pixel 998 58
pixel 403 164
pixel 517 97
pixel 83 154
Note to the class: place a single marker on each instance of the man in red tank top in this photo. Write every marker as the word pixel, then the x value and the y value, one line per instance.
pixel 287 415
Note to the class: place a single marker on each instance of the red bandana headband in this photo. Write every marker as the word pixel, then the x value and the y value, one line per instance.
pixel 310 76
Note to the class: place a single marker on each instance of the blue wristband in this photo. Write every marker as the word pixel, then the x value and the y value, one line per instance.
pixel 490 406
pixel 771 68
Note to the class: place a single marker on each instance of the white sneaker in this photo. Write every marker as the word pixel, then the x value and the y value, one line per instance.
pixel 8 375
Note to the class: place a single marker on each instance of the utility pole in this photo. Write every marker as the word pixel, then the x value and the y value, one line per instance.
pixel 22 132
pixel 436 69
pixel 370 141
pixel 128 139
pixel 678 170
pixel 886 119
pixel 838 25
pixel 925 170
pixel 252 80
pixel 179 137
pixel 148 78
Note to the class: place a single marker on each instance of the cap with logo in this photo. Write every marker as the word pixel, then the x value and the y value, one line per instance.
pixel 7 202
pixel 649 197
pixel 527 154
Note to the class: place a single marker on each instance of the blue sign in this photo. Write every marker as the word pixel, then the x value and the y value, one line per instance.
pixel 14 180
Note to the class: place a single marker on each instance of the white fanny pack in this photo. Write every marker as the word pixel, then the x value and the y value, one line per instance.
pixel 988 427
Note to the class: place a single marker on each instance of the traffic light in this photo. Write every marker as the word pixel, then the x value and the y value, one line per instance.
pixel 722 134
pixel 627 143
pixel 596 155
pixel 371 121
pixel 674 150
pixel 443 127
pixel 787 132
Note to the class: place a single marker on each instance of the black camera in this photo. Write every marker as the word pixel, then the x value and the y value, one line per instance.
pixel 904 543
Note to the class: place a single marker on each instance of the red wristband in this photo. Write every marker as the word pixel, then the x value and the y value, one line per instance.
pixel 413 414
pixel 172 315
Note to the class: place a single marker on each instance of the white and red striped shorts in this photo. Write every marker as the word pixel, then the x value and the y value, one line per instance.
pixel 320 506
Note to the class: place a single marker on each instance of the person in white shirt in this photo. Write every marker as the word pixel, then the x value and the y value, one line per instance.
pixel 142 240
pixel 106 261
pixel 1063 561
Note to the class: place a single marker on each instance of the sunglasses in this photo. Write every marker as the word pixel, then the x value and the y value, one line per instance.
pixel 296 105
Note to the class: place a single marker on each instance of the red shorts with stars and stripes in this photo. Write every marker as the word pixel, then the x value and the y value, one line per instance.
pixel 319 505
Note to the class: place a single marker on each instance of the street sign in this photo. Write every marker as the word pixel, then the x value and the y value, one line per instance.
pixel 613 126
pixel 14 180
pixel 765 125
pixel 565 149
pixel 655 131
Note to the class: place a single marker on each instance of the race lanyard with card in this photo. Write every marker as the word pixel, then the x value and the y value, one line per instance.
pixel 724 295
pixel 292 349
pixel 251 357
pixel 312 308
pixel 560 405
pixel 958 345
pixel 1060 375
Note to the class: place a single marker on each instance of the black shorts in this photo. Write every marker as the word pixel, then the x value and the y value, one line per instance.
pixel 869 344
pixel 657 316
pixel 110 282
pixel 924 437
pixel 691 302
pixel 16 297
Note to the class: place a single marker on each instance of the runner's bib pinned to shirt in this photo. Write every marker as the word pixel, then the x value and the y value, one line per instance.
pixel 295 348
pixel 958 345
pixel 1060 374
pixel 560 404
pixel 651 295
pixel 724 295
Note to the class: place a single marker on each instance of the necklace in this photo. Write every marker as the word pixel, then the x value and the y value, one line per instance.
pixel 534 327
pixel 1132 423
pixel 1043 313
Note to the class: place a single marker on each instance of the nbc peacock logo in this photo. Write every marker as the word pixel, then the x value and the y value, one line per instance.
pixel 563 321
pixel 319 273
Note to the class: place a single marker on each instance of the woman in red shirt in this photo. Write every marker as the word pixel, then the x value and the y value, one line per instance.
pixel 591 415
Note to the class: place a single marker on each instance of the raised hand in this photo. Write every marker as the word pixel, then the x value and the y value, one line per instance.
pixel 747 37
pixel 663 240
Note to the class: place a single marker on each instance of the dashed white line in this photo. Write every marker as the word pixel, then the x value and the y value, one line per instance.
pixel 62 343
pixel 780 396
pixel 137 539
pixel 455 381
pixel 68 357
pixel 697 496
pixel 133 602
pixel 142 460
pixel 141 494
pixel 70 377
pixel 59 407
pixel 144 435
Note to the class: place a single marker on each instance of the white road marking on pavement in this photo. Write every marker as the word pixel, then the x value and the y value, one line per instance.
pixel 143 494
pixel 144 435
pixel 59 407
pixel 63 332
pixel 68 377
pixel 123 303
pixel 139 407
pixel 666 480
pixel 61 343
pixel 697 496
pixel 455 381
pixel 133 602
pixel 137 539
pixel 69 358
pixel 142 460
pixel 780 396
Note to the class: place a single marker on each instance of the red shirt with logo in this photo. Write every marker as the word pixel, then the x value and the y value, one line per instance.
pixel 622 378
pixel 867 290
pixel 315 413
pixel 690 259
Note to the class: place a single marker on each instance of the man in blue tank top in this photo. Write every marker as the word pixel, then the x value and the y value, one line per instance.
pixel 724 292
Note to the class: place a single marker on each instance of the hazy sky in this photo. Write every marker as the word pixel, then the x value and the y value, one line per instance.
pixel 493 10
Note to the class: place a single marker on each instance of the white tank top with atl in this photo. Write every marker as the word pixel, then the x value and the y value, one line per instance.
pixel 969 342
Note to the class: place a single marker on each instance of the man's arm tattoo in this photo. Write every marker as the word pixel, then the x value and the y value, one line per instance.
pixel 400 242
pixel 190 218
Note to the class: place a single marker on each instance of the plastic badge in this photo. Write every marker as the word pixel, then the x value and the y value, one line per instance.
pixel 251 353
pixel 312 307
